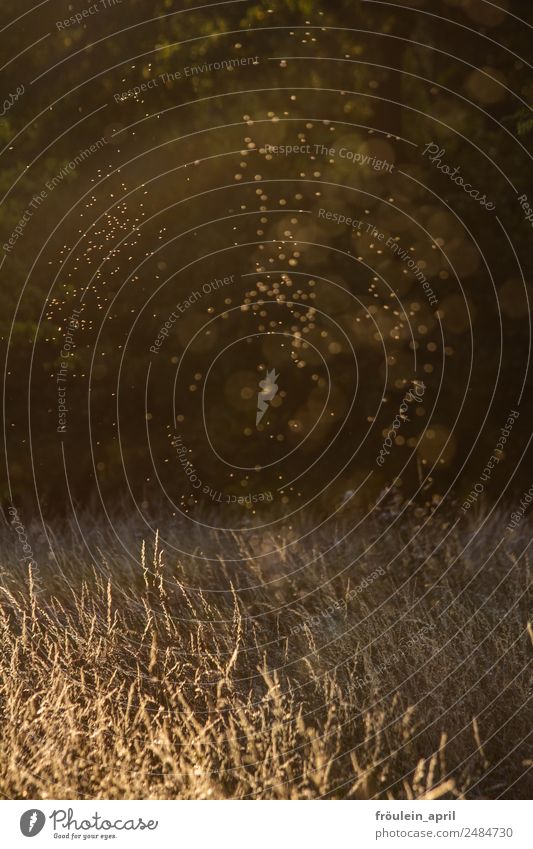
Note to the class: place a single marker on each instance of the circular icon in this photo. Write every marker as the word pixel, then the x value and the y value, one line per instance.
pixel 32 822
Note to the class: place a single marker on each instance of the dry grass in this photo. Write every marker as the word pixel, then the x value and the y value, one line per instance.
pixel 119 680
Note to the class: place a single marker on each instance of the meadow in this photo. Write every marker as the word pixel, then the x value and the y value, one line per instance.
pixel 390 665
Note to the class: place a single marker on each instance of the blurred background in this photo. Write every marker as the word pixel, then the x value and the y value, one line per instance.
pixel 145 129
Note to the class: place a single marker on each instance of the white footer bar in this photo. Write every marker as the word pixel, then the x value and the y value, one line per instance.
pixel 267 825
